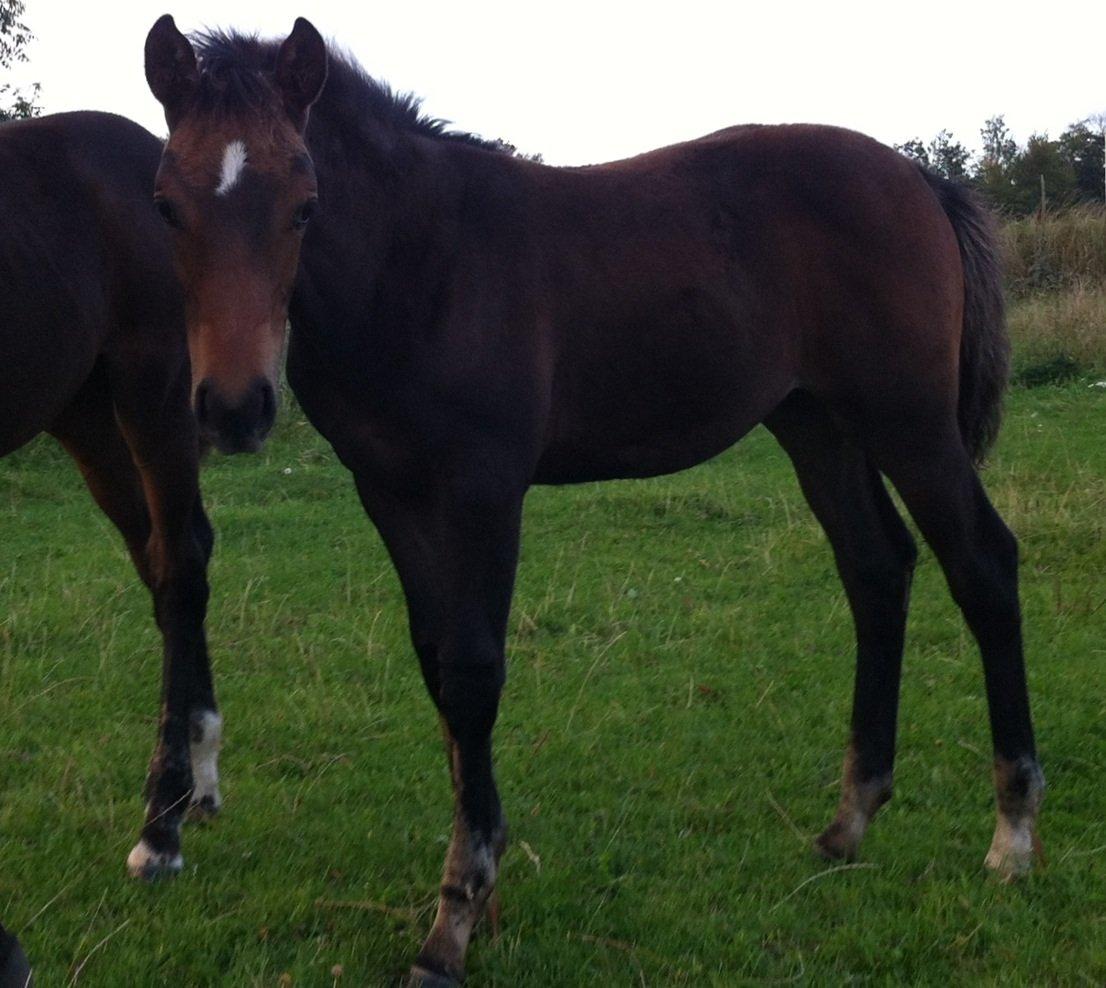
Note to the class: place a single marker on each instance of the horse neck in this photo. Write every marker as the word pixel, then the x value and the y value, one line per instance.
pixel 388 208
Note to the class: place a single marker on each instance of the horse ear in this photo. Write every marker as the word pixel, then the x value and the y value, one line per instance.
pixel 301 70
pixel 170 68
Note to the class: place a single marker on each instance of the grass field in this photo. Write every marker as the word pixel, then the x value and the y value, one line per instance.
pixel 692 633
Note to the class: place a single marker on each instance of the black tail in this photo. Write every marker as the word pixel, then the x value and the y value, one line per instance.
pixel 984 345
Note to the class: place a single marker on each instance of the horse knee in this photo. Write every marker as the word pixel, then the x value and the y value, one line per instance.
pixel 469 697
pixel 178 582
pixel 985 586
pixel 1003 545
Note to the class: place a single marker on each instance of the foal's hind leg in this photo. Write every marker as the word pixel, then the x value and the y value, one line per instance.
pixel 875 557
pixel 979 556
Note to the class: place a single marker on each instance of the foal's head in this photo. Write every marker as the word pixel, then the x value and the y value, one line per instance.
pixel 237 187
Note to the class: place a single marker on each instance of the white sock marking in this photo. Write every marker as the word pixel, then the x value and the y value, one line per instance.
pixel 234 160
pixel 145 862
pixel 205 756
pixel 1011 853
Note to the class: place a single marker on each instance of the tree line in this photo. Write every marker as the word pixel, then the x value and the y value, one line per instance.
pixel 1019 180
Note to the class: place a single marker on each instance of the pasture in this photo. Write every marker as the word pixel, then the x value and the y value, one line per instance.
pixel 692 631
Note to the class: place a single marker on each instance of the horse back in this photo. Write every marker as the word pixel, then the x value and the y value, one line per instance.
pixel 690 289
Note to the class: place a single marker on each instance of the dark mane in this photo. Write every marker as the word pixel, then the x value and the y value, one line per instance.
pixel 235 70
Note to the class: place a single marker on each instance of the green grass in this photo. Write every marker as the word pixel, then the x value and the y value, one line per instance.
pixel 692 634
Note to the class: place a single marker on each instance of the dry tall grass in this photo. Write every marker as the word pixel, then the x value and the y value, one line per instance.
pixel 1060 251
pixel 1059 335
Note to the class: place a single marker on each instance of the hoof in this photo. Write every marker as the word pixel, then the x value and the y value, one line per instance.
pixel 1013 848
pixel 836 843
pixel 1019 788
pixel 421 977
pixel 205 809
pixel 1008 866
pixel 1011 854
pixel 147 864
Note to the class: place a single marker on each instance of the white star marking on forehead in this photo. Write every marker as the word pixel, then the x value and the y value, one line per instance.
pixel 234 160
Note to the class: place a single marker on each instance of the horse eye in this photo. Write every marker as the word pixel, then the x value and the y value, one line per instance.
pixel 167 212
pixel 304 214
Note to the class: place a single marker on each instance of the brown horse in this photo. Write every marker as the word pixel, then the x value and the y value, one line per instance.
pixel 93 351
pixel 466 323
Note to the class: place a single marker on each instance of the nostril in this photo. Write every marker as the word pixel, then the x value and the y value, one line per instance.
pixel 200 401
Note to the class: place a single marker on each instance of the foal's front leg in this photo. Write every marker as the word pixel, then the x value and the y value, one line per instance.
pixel 480 563
pixel 479 827
pixel 183 771
pixel 457 564
pixel 145 480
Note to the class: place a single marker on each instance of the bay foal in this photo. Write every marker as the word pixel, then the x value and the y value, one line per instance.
pixel 466 324
pixel 93 351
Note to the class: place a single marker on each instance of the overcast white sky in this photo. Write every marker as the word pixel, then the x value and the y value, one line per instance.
pixel 589 81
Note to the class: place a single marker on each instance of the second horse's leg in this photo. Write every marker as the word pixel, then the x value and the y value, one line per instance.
pixel 979 556
pixel 875 557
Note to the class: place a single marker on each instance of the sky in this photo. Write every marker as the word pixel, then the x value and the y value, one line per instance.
pixel 582 82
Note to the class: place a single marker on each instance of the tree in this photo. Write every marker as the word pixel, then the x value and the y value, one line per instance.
pixel 948 157
pixel 1040 161
pixel 993 171
pixel 915 150
pixel 14 38
pixel 999 147
pixel 1081 148
pixel 942 155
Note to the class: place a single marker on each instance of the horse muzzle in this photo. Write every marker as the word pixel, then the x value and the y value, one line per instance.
pixel 235 424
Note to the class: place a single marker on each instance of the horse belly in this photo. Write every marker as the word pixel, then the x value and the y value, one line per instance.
pixel 583 461
pixel 48 347
pixel 642 418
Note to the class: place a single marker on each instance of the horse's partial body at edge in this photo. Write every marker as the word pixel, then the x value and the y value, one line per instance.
pixel 93 352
